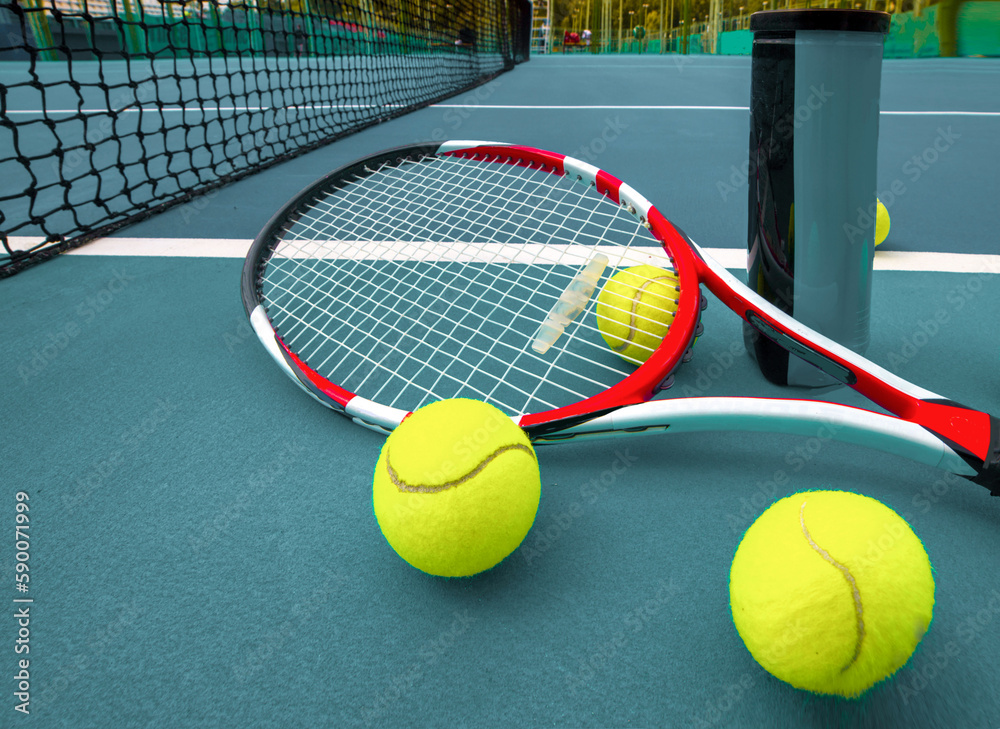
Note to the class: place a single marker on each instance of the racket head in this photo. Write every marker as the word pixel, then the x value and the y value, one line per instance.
pixel 425 272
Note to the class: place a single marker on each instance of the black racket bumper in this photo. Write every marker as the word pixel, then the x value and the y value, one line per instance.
pixel 989 472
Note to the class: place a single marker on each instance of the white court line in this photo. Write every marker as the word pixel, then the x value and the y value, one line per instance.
pixel 734 258
pixel 942 262
pixel 940 113
pixel 153 109
pixel 689 108
pixel 601 107
pixel 541 107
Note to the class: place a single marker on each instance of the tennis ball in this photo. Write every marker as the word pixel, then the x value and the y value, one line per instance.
pixel 456 487
pixel 635 309
pixel 881 222
pixel 831 591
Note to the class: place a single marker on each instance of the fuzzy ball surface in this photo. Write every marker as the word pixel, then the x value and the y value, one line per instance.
pixel 831 591
pixel 635 309
pixel 456 487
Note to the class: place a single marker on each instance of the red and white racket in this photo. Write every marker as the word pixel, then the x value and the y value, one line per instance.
pixel 471 269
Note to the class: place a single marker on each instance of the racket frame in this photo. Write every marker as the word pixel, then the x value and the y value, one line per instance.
pixel 924 426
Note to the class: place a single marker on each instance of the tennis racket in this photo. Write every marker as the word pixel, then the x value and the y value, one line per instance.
pixel 472 269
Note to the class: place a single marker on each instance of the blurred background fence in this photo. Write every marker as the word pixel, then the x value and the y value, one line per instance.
pixel 919 28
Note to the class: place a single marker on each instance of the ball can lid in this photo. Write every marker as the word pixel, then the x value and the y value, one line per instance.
pixel 865 21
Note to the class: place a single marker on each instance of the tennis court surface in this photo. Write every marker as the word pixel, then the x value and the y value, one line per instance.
pixel 200 538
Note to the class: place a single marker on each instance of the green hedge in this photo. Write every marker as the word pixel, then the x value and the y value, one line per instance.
pixel 979 29
pixel 911 35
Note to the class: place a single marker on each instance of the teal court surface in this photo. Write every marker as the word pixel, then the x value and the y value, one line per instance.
pixel 203 550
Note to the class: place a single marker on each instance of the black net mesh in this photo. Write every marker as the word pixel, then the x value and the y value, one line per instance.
pixel 111 110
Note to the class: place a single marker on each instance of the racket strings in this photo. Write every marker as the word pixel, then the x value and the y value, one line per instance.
pixel 369 360
pixel 331 216
pixel 399 232
pixel 463 332
pixel 442 374
pixel 430 279
pixel 461 343
pixel 480 275
pixel 474 283
pixel 480 183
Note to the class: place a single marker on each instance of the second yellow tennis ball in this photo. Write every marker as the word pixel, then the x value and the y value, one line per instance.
pixel 881 222
pixel 831 591
pixel 456 488
pixel 635 309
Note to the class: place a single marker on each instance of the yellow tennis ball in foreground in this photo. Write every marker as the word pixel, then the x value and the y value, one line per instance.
pixel 456 488
pixel 831 591
pixel 881 222
pixel 635 309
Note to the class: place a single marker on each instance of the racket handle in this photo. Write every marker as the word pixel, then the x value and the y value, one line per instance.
pixel 827 421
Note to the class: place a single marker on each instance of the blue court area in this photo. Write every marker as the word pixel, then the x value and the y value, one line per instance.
pixel 203 550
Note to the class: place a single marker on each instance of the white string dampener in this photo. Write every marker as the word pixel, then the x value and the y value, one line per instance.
pixel 571 302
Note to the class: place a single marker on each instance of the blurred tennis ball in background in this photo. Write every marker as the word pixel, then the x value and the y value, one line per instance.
pixel 881 222
pixel 635 309
pixel 456 488
pixel 831 591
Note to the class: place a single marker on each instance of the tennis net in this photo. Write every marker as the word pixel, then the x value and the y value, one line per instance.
pixel 113 110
